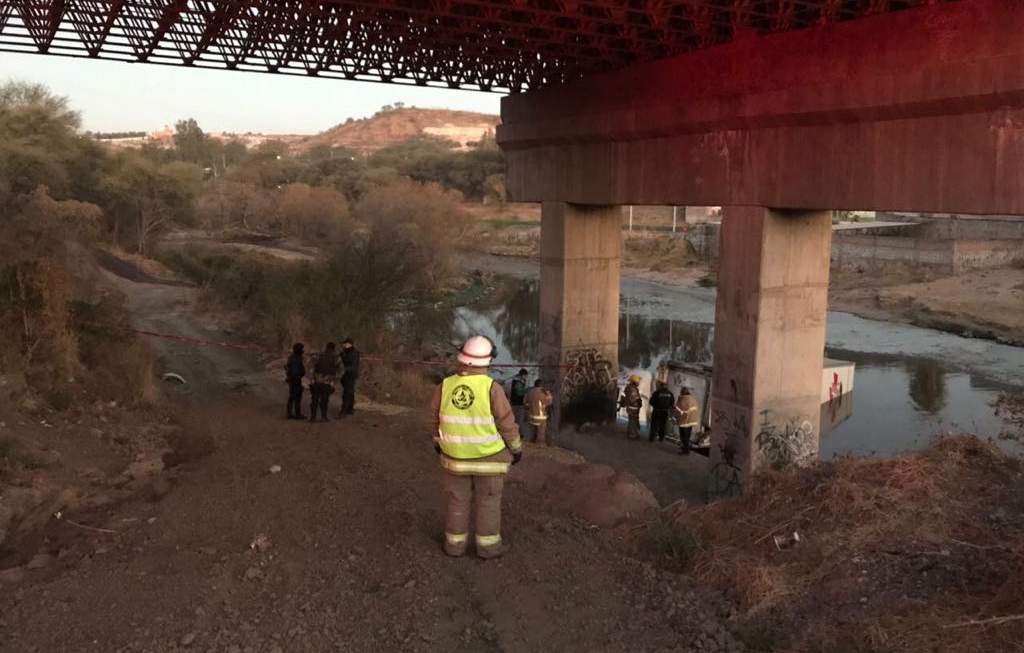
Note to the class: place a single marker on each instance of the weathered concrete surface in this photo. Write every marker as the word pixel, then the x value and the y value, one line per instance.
pixel 857 251
pixel 580 253
pixel 941 226
pixel 769 336
pixel 917 110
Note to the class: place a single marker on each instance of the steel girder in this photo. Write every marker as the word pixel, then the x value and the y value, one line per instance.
pixel 491 45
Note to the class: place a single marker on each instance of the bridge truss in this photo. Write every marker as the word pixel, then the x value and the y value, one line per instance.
pixel 490 45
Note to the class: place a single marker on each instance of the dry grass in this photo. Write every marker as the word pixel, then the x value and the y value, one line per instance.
pixel 892 551
pixel 398 384
pixel 658 252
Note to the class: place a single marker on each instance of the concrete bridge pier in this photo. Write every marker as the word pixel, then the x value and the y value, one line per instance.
pixel 769 339
pixel 580 253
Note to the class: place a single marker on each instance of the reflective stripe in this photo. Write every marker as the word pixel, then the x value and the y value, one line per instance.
pixel 451 419
pixel 456 538
pixel 473 467
pixel 516 444
pixel 488 540
pixel 469 439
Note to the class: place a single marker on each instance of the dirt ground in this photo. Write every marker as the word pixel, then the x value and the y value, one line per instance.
pixel 339 550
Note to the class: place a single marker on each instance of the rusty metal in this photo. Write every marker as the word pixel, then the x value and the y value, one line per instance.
pixel 490 45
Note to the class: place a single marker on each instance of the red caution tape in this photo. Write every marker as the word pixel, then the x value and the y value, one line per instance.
pixel 379 359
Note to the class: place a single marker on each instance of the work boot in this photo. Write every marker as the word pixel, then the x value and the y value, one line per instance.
pixel 491 552
pixel 455 546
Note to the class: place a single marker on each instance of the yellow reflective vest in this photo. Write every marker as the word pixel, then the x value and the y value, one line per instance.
pixel 467 427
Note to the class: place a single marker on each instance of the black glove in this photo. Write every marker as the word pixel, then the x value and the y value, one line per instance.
pixel 516 457
pixel 437 448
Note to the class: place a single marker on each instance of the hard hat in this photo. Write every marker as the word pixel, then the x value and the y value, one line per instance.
pixel 635 378
pixel 477 352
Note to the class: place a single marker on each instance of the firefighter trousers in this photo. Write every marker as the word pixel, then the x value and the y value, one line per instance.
pixel 483 495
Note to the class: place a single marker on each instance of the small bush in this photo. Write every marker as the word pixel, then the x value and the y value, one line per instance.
pixel 672 541
pixel 708 281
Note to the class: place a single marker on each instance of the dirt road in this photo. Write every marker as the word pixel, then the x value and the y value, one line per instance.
pixel 347 554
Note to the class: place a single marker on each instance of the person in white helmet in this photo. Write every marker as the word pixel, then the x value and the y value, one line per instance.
pixel 477 439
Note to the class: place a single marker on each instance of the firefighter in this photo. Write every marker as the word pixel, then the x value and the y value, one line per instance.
pixel 687 416
pixel 537 401
pixel 294 371
pixel 476 438
pixel 662 403
pixel 632 402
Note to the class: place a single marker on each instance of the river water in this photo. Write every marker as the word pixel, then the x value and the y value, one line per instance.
pixel 910 383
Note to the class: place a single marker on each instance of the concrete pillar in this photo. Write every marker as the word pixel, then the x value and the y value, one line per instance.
pixel 769 340
pixel 580 253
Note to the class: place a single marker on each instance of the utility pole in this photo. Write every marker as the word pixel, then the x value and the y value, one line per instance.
pixel 630 218
pixel 675 213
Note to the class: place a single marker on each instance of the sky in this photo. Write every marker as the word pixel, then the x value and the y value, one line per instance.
pixel 116 96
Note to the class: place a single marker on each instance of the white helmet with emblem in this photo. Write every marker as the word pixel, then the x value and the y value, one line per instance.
pixel 477 352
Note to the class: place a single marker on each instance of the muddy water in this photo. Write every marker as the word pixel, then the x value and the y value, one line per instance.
pixel 910 383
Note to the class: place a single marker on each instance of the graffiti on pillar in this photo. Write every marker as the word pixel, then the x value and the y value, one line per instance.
pixel 784 442
pixel 588 389
pixel 726 477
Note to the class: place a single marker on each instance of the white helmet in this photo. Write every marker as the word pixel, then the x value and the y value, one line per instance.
pixel 477 352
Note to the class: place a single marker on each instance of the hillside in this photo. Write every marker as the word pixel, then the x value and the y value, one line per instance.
pixel 394 126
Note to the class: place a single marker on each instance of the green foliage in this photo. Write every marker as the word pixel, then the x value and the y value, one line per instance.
pixel 192 144
pixel 38 140
pixel 475 173
pixel 143 198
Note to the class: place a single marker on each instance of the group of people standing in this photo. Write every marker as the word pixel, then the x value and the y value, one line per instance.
pixel 329 369
pixel 664 406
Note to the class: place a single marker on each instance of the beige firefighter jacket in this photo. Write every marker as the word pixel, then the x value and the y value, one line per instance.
pixel 687 411
pixel 537 402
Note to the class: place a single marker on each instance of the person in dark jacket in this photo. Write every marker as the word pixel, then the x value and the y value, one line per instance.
pixel 662 404
pixel 325 376
pixel 294 371
pixel 517 397
pixel 350 361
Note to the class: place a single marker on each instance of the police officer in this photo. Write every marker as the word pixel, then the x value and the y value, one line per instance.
pixel 662 403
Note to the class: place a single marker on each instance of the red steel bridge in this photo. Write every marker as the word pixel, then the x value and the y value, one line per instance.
pixel 490 45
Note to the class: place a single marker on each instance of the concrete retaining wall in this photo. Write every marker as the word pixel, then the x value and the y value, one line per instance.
pixel 858 251
pixel 944 226
pixel 941 256
pixel 705 239
pixel 977 254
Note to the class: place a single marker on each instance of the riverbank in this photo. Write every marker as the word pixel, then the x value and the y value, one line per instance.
pixel 986 304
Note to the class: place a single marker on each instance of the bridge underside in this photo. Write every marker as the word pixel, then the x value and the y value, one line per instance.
pixel 921 110
pixel 482 44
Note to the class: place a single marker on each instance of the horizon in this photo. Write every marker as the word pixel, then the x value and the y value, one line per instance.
pixel 112 96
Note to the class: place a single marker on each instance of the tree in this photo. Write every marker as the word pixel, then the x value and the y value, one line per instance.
pixel 147 198
pixel 310 211
pixel 494 189
pixel 426 213
pixel 38 139
pixel 192 144
pixel 227 203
